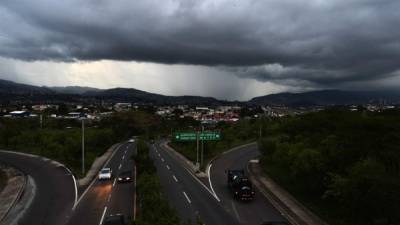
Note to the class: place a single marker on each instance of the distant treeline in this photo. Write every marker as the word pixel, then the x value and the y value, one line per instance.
pixel 60 139
pixel 344 165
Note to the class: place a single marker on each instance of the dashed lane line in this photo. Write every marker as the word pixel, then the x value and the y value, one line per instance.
pixel 187 197
pixel 102 216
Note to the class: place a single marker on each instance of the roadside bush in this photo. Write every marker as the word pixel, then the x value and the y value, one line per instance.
pixel 344 165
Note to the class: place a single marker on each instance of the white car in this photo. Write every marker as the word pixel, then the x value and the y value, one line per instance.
pixel 131 140
pixel 105 174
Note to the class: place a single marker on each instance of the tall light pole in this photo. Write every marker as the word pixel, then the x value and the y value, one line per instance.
pixel 83 146
pixel 197 152
pixel 202 146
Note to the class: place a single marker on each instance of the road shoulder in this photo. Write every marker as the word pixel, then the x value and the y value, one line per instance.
pixel 9 196
pixel 295 212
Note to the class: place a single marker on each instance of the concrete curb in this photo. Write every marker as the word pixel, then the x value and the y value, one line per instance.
pixel 187 163
pixel 225 152
pixel 11 194
pixel 98 163
pixel 295 212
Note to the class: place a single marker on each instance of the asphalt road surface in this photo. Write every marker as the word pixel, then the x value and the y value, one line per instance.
pixel 250 213
pixel 186 193
pixel 55 189
pixel 106 197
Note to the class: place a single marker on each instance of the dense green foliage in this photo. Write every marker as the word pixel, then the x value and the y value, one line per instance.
pixel 344 165
pixel 59 140
pixel 233 134
pixel 153 205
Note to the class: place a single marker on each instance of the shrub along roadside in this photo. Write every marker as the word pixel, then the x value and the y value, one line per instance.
pixel 343 165
pixel 56 141
pixel 153 207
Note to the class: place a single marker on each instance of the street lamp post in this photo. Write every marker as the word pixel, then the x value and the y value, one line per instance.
pixel 202 146
pixel 83 146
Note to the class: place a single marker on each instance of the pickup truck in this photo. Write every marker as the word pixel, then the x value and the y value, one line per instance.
pixel 240 185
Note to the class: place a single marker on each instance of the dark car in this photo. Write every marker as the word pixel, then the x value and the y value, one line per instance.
pixel 117 219
pixel 125 177
pixel 275 223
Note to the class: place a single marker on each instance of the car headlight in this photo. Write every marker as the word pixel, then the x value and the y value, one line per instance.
pixel 128 178
pixel 120 178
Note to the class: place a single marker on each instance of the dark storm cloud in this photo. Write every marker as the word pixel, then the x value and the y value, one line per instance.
pixel 315 41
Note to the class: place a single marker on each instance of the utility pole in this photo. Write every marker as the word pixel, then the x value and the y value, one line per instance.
pixel 202 146
pixel 41 121
pixel 83 146
pixel 197 152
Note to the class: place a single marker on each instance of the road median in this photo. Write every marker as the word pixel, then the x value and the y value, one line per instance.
pixel 97 164
pixel 186 162
pixel 12 192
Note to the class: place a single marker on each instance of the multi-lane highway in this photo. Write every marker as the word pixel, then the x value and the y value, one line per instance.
pixel 107 197
pixel 186 193
pixel 250 213
pixel 57 200
pixel 210 198
pixel 55 193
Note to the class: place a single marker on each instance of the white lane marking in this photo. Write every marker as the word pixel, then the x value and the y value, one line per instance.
pixel 187 197
pixel 123 157
pixel 168 167
pixel 173 176
pixel 159 155
pixel 209 181
pixel 162 159
pixel 91 184
pixel 115 180
pixel 76 192
pixel 197 179
pixel 84 193
pixel 201 183
pixel 235 211
pixel 102 216
pixel 109 197
pixel 119 167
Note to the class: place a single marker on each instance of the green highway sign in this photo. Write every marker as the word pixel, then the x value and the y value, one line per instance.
pixel 185 136
pixel 210 136
pixel 192 136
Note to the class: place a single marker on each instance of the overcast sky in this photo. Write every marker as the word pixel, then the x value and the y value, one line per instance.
pixel 229 49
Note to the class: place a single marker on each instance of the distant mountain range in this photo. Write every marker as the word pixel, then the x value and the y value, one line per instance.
pixel 73 90
pixel 328 97
pixel 11 91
